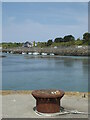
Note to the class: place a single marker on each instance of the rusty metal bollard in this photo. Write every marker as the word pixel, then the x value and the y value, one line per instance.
pixel 48 101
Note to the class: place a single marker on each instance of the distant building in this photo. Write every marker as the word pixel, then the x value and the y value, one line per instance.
pixel 35 44
pixel 27 44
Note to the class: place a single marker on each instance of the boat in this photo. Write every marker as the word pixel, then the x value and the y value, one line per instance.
pixel 35 53
pixel 51 53
pixel 30 53
pixel 44 53
pixel 11 52
pixel 23 53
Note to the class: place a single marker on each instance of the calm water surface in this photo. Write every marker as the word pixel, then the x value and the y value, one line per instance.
pixel 27 72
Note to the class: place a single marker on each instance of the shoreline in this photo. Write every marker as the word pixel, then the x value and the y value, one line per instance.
pixel 23 92
pixel 62 51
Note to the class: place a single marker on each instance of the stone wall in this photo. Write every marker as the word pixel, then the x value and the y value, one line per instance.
pixel 67 51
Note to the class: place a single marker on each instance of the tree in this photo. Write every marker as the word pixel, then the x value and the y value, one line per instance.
pixel 34 44
pixel 78 39
pixel 49 42
pixel 57 40
pixel 41 44
pixel 68 38
pixel 86 36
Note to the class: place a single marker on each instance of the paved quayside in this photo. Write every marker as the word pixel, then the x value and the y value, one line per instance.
pixel 21 106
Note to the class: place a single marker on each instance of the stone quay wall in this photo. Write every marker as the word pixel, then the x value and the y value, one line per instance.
pixel 63 51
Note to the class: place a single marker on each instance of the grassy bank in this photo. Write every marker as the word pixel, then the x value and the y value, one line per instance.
pixel 69 93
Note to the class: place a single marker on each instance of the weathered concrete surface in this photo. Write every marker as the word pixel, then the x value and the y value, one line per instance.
pixel 0 107
pixel 21 106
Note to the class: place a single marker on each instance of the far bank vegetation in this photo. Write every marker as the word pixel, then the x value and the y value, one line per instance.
pixel 68 40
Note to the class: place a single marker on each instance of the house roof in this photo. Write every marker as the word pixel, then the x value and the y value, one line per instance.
pixel 28 43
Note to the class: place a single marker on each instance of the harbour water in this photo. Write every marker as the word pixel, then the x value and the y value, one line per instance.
pixel 30 72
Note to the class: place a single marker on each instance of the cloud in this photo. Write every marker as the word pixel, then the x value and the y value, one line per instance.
pixel 40 25
pixel 31 30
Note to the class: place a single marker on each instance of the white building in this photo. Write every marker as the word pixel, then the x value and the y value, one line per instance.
pixel 30 44
pixel 27 44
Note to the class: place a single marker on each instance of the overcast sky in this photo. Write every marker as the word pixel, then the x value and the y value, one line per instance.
pixel 27 21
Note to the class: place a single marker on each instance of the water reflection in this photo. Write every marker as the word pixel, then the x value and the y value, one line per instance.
pixel 34 72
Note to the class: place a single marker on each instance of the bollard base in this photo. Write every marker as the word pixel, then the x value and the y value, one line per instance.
pixel 61 112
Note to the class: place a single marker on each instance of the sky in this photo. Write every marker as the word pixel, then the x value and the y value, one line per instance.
pixel 89 17
pixel 39 21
